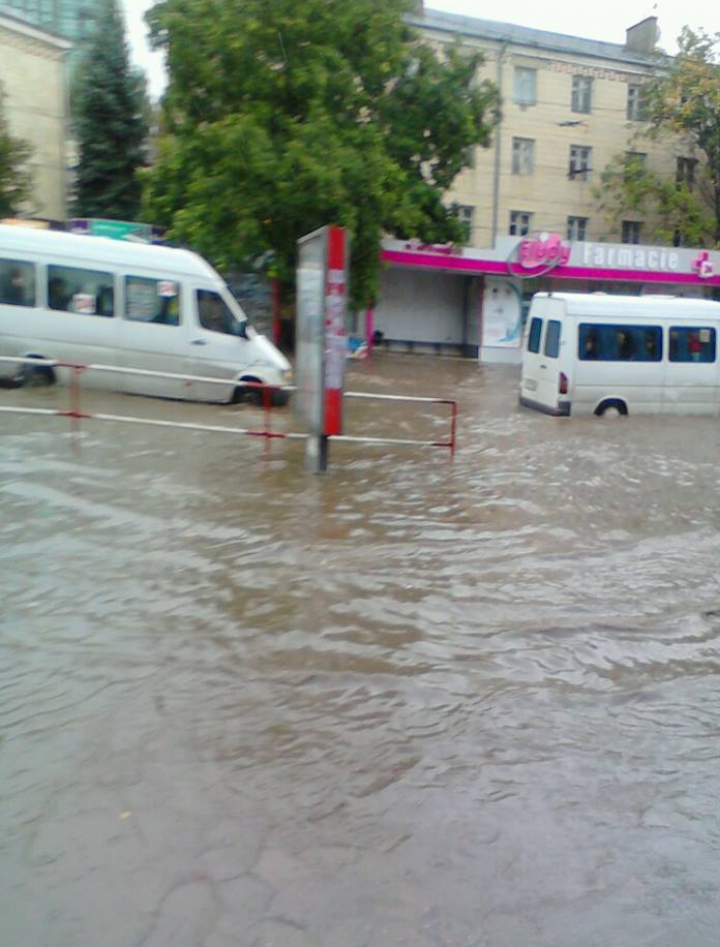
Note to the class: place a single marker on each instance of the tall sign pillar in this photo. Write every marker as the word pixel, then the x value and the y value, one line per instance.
pixel 321 349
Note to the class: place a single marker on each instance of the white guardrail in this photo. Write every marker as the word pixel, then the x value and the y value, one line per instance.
pixel 76 414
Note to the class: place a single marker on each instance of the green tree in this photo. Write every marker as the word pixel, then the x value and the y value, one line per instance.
pixel 283 116
pixel 15 175
pixel 673 211
pixel 110 124
pixel 682 107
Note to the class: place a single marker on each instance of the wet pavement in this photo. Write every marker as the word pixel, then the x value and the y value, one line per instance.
pixel 415 702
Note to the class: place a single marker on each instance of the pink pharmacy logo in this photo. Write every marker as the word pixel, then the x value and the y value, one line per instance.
pixel 545 250
pixel 702 264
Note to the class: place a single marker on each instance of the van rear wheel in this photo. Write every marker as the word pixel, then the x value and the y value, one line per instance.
pixel 31 376
pixel 611 409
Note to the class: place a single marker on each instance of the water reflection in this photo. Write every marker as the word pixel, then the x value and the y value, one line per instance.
pixel 413 702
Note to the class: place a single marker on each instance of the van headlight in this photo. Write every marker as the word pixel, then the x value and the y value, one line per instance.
pixel 287 375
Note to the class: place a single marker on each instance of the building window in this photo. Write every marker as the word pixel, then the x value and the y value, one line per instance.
pixel 685 172
pixel 634 103
pixel 581 99
pixel 631 231
pixel 465 215
pixel 635 162
pixel 579 162
pixel 576 228
pixel 520 223
pixel 523 155
pixel 525 86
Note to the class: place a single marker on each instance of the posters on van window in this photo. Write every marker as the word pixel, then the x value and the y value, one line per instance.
pixel 501 313
pixel 83 303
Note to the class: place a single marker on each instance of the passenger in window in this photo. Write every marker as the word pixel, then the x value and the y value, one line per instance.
pixel 650 346
pixel 105 301
pixel 674 339
pixel 13 291
pixel 58 296
pixel 694 347
pixel 591 346
pixel 168 312
pixel 625 346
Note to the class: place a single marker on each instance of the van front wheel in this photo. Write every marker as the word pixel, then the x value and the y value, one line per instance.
pixel 612 408
pixel 246 395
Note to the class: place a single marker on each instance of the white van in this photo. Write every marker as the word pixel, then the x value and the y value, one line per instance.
pixel 591 353
pixel 82 299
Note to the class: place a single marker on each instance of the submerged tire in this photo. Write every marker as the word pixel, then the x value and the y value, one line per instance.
pixel 31 376
pixel 245 395
pixel 611 409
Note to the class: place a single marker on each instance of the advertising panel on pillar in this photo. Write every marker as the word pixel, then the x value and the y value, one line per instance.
pixel 322 282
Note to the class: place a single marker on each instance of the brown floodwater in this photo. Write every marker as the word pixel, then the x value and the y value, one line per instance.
pixel 416 702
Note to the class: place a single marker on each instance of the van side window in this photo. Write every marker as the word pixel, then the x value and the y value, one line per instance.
pixel 552 339
pixel 616 343
pixel 88 292
pixel 691 344
pixel 152 300
pixel 214 314
pixel 534 334
pixel 17 283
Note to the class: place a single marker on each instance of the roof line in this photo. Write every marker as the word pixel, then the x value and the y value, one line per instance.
pixel 501 32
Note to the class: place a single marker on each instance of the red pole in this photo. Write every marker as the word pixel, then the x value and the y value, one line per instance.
pixel 453 427
pixel 276 321
pixel 267 397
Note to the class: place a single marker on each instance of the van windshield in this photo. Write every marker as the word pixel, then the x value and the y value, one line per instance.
pixel 215 314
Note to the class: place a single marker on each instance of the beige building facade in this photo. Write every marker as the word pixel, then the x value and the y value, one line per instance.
pixel 569 106
pixel 32 75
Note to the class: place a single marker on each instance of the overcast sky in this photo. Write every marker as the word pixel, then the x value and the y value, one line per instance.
pixel 599 19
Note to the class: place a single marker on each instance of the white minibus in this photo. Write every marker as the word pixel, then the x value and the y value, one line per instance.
pixel 592 353
pixel 82 299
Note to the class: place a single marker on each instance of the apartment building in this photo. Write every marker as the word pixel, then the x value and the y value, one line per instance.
pixel 32 76
pixel 569 106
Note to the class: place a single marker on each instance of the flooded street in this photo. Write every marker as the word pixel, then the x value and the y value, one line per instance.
pixel 415 702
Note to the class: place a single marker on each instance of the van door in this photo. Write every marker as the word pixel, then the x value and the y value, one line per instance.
pixel 218 347
pixel 691 371
pixel 80 321
pixel 540 383
pixel 153 337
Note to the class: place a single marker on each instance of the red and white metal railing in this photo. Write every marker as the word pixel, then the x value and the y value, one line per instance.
pixel 76 414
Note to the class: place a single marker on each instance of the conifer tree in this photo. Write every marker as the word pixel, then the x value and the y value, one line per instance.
pixel 110 124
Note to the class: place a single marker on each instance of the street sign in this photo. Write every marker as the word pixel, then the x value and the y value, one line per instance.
pixel 115 229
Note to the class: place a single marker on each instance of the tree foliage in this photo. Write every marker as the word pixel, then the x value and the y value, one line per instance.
pixel 682 106
pixel 110 124
pixel 284 116
pixel 15 174
pixel 673 211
